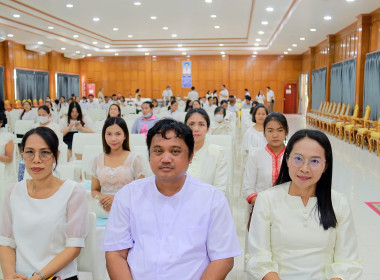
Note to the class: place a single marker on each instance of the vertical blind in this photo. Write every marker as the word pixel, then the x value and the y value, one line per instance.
pixel 343 80
pixel 318 87
pixel 31 84
pixel 2 83
pixel 371 94
pixel 67 85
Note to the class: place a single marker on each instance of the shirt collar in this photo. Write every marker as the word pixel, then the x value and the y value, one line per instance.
pixel 153 117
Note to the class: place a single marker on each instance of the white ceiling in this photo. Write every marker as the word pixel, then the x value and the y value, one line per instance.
pixel 239 21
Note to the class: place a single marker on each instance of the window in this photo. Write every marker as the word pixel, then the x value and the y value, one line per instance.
pixel 31 84
pixel 67 85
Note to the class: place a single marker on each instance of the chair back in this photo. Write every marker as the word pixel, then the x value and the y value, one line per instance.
pixel 137 140
pixel 332 108
pixel 320 106
pixel 88 154
pixel 143 151
pixel 80 140
pixel 88 257
pixel 367 113
pixel 2 190
pixel 337 109
pixel 348 109
pixel 356 111
pixel 342 109
pixel 23 126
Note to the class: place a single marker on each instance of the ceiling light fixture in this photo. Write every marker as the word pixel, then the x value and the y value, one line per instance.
pixel 264 22
pixel 174 35
pixel 350 0
pixel 69 5
pixel 50 27
pixel 258 40
pixel 216 26
pixel 208 1
pixel 327 18
pixel 184 53
pixel 154 56
pixel 139 46
pixel 294 45
pixel 95 19
pixel 95 43
pixel 147 53
pixel 261 32
pixel 63 49
pixel 165 28
pixel 313 29
pixel 16 15
pixel 285 52
pixel 213 16
pixel 153 17
pixel 115 29
pixel 254 52
pixel 289 49
pixel 130 36
pixel 116 54
pixel 40 42
pixel 179 45
pixel 106 46
pixel 269 9
pixel 253 56
pixel 221 45
pixel 77 52
pixel 302 38
pixel 76 36
pixel 137 3
pixel 10 35
pixel 222 53
pixel 256 44
pixel 89 54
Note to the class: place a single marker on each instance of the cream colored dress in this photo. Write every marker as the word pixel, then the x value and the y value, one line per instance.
pixel 10 168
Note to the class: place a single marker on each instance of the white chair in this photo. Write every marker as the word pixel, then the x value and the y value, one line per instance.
pixel 2 188
pixel 23 126
pixel 96 114
pixel 131 110
pixel 62 152
pixel 80 140
pixel 88 154
pixel 14 115
pixel 136 140
pixel 143 151
pixel 87 259
pixel 67 171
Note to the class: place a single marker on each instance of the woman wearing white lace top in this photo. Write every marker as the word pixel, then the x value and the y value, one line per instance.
pixel 6 155
pixel 301 229
pixel 28 113
pixel 117 166
pixel 44 220
pixel 220 125
pixel 209 163
pixel 254 136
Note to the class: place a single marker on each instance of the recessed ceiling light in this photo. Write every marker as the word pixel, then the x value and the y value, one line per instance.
pixel 137 3
pixel 253 55
pixel 261 32
pixel 213 16
pixel 165 28
pixel 208 1
pixel 258 40
pixel 50 27
pixel 63 49
pixel 95 43
pixel 254 52
pixel 264 22
pixel 221 45
pixel 116 54
pixel 147 53
pixel 184 53
pixel 289 49
pixel 222 53
pixel 75 36
pixel 95 19
pixel 69 5
pixel 115 29
pixel 153 17
pixel 269 9
pixel 10 35
pixel 130 36
pixel 16 15
pixel 89 54
pixel 313 29
pixel 40 42
pixel 179 45
pixel 294 45
pixel 139 46
pixel 106 46
pixel 256 44
pixel 154 56
pixel 285 52
pixel 302 38
pixel 327 18
pixel 174 35
pixel 216 26
pixel 350 0
pixel 77 52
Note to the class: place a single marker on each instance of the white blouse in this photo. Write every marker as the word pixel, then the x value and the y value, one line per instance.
pixel 253 138
pixel 258 173
pixel 10 170
pixel 31 115
pixel 87 124
pixel 209 165
pixel 221 128
pixel 39 229
pixel 286 237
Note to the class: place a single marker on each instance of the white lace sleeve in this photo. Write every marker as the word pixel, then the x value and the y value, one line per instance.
pixel 77 218
pixel 94 165
pixel 138 166
pixel 6 230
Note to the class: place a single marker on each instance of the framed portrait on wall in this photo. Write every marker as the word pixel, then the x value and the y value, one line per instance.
pixel 186 67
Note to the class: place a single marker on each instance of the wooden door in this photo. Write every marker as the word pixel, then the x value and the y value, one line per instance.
pixel 290 98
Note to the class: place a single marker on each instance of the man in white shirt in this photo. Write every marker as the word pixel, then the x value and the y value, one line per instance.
pixel 184 228
pixel 138 103
pixel 107 103
pixel 270 99
pixel 223 94
pixel 210 106
pixel 166 94
pixel 91 104
pixel 246 92
pixel 193 95
pixel 229 115
pixel 233 107
pixel 100 93
pixel 247 103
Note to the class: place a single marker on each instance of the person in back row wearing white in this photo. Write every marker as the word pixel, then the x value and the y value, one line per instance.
pixel 173 111
pixel 44 220
pixel 166 95
pixel 210 106
pixel 233 107
pixel 28 113
pixel 209 163
pixel 91 104
pixel 270 99
pixel 193 95
pixel 229 115
pixel 223 94
pixel 220 125
pixel 247 103
pixel 146 121
pixel 260 97
pixel 254 136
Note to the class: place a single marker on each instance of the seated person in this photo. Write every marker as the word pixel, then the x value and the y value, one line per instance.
pixel 220 125
pixel 146 121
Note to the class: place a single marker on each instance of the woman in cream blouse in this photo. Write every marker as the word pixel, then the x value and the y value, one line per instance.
pixel 301 229
pixel 209 163
pixel 254 136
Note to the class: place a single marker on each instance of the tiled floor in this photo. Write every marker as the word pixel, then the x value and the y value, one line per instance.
pixel 356 173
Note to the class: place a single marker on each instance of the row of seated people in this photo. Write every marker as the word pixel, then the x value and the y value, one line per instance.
pixel 185 223
pixel 335 119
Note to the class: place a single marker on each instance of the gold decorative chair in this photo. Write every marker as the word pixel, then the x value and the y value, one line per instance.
pixel 329 124
pixel 324 115
pixel 339 126
pixel 374 140
pixel 313 112
pixel 365 132
pixel 356 123
pixel 325 109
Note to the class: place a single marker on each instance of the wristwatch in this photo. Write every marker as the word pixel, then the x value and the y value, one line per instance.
pixel 40 274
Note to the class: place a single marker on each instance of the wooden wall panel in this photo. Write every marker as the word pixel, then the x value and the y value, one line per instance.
pixel 346 44
pixel 306 62
pixel 67 65
pixel 2 59
pixel 321 55
pixel 29 59
pixel 375 32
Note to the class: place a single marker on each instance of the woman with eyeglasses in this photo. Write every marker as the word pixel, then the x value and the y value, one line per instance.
pixel 301 229
pixel 44 220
